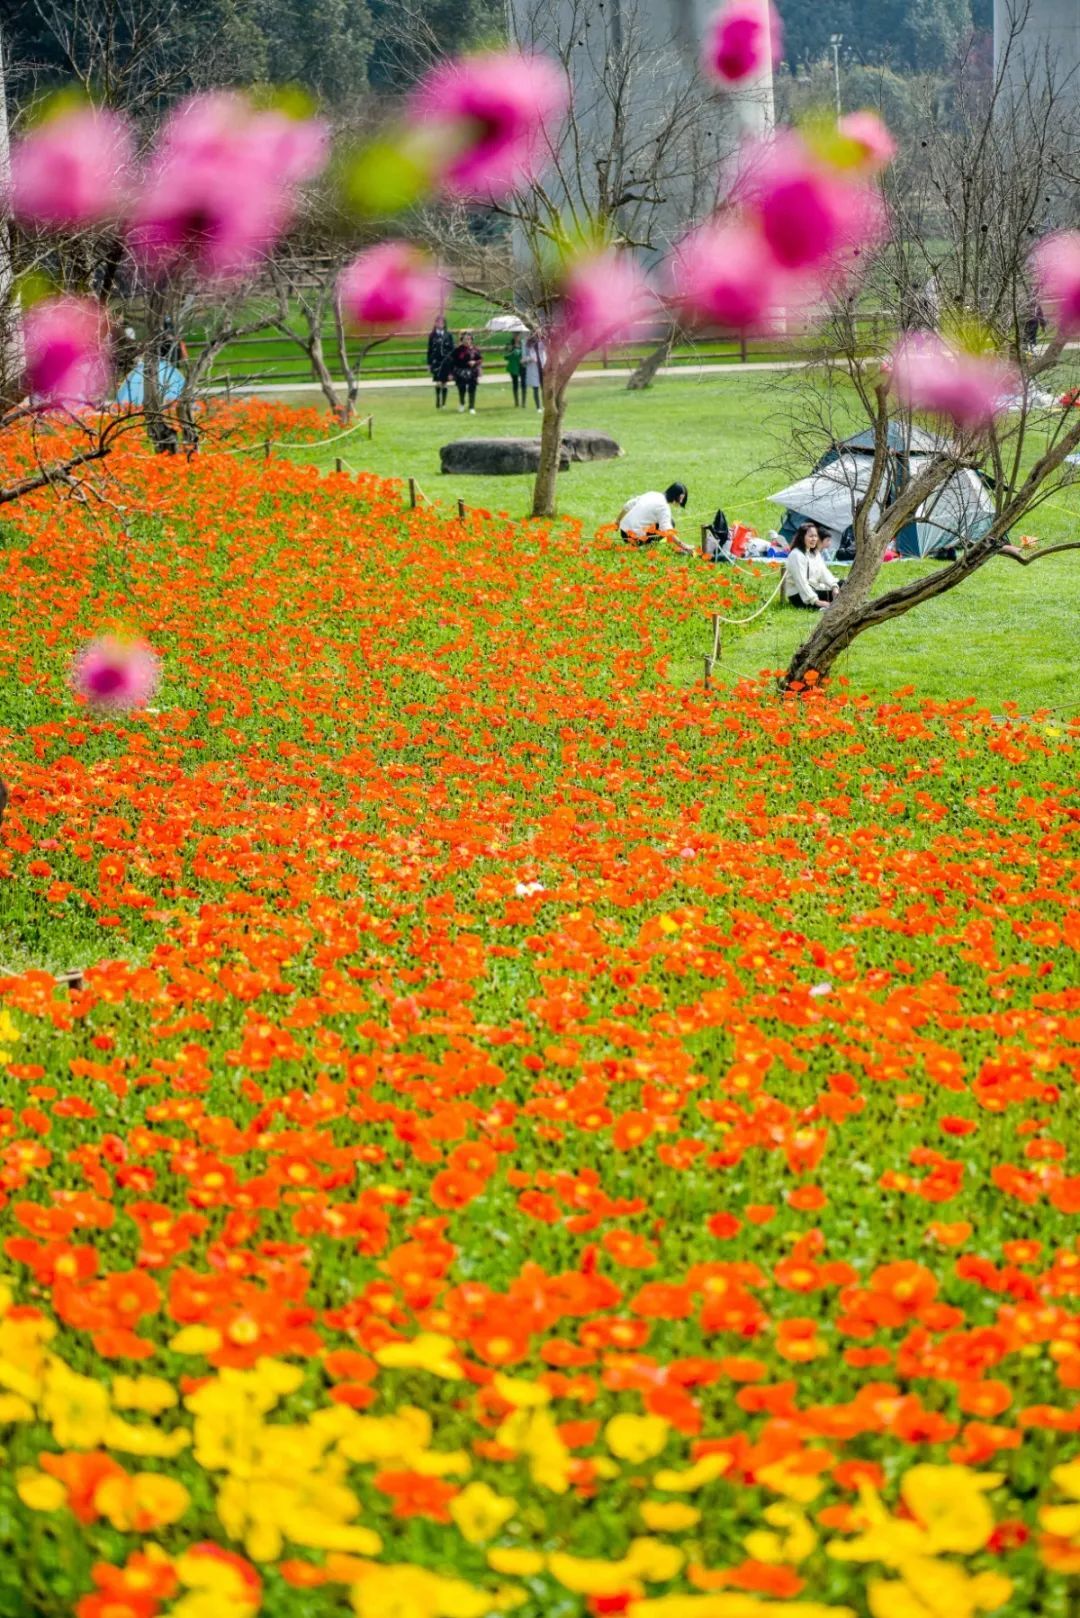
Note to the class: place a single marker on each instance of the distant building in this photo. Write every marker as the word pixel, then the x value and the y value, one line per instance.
pixel 1037 42
pixel 662 39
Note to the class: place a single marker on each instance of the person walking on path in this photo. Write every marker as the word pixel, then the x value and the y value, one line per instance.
pixel 440 356
pixel 467 364
pixel 534 356
pixel 515 366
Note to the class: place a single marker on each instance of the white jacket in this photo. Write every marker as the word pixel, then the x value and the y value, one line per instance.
pixel 805 573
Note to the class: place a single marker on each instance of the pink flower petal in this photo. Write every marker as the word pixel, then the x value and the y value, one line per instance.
pixel 66 351
pixel 1055 265
pixel 393 287
pixel 741 41
pixel 115 674
pixel 72 170
pixel 491 112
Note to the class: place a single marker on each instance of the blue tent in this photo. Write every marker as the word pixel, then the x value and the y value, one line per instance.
pixel 132 391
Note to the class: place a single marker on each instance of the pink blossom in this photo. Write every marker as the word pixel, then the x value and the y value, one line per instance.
pixel 604 295
pixel 1055 265
pixel 393 287
pixel 66 351
pixel 810 215
pixel 871 137
pixel 932 375
pixel 723 274
pixel 116 674
pixel 71 170
pixel 491 112
pixel 741 41
pixel 220 187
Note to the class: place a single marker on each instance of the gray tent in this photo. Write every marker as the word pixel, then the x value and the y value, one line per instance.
pixel 957 513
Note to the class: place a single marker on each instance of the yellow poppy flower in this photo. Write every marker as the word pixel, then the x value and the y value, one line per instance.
pixel 636 1438
pixel 427 1352
pixel 38 1491
pixel 479 1512
pixel 668 1516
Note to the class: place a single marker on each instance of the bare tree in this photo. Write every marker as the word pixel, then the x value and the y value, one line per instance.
pixel 639 156
pixel 995 169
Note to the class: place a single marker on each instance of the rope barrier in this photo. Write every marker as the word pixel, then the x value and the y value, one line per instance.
pixel 265 444
pixel 718 619
pixel 318 443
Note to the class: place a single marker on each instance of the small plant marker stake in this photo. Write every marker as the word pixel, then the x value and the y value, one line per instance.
pixel 717 647
pixel 412 493
pixel 339 464
pixel 266 449
pixel 371 426
pixel 461 510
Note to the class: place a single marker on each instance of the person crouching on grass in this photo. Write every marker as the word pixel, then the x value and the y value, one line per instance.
pixel 647 517
pixel 807 581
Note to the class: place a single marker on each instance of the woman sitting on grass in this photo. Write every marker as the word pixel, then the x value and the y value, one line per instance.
pixel 807 581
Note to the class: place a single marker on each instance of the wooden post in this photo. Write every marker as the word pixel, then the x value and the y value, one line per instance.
pixel 266 449
pixel 461 510
pixel 339 464
pixel 717 646
pixel 412 493
pixel 704 532
pixel 371 426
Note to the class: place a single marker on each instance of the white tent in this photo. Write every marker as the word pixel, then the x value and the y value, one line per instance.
pixel 957 513
pixel 506 323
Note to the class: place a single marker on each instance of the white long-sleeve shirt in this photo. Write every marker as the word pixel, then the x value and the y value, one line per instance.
pixel 647 514
pixel 805 573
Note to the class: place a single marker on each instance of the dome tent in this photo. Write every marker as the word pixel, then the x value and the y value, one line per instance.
pixel 959 511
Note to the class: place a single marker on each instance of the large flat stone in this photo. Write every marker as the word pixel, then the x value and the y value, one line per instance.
pixel 584 444
pixel 497 457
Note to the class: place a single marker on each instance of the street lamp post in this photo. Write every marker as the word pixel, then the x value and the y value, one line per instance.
pixel 836 40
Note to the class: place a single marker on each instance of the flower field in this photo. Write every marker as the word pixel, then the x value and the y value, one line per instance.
pixel 526 1137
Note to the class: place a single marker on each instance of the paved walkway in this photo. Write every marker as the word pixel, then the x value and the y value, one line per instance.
pixel 734 368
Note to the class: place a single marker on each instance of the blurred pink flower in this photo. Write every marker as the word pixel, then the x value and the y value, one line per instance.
pixel 72 170
pixel 872 137
pixel 116 674
pixel 603 296
pixel 969 389
pixel 723 274
pixel 811 216
pixel 220 186
pixel 741 41
pixel 65 341
pixel 393 287
pixel 491 112
pixel 1055 265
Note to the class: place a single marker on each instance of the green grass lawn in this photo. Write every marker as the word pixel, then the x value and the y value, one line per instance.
pixel 1009 635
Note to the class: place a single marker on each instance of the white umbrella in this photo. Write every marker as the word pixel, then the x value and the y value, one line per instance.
pixel 506 323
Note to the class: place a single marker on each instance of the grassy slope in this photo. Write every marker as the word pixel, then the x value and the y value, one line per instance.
pixel 1008 636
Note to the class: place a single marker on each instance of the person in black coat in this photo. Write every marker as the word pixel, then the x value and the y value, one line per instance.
pixel 440 358
pixel 468 363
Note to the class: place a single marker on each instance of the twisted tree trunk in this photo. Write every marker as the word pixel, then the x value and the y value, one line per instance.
pixel 645 373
